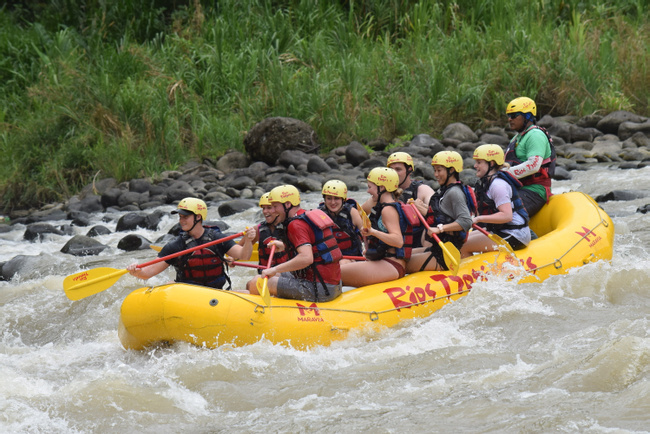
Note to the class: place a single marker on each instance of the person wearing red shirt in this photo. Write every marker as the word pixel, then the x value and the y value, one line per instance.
pixel 312 272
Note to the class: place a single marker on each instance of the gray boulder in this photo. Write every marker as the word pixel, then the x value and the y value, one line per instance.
pixel 39 230
pixel 356 153
pixel 81 245
pixel 98 230
pixel 317 165
pixel 235 206
pixel 618 195
pixel 133 242
pixel 139 185
pixel 131 221
pixel 459 131
pixel 232 160
pixel 18 264
pixel 628 129
pixel 266 140
pixel 610 123
pixel 89 204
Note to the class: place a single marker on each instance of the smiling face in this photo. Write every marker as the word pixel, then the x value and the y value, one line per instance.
pixel 278 209
pixel 440 173
pixel 186 221
pixel 269 214
pixel 333 203
pixel 482 167
pixel 373 190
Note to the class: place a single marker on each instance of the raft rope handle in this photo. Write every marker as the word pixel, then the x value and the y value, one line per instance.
pixel 558 262
pixel 373 315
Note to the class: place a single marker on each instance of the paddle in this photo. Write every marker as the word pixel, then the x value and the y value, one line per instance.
pixel 500 242
pixel 263 284
pixel 246 264
pixel 254 256
pixel 364 217
pixel 450 252
pixel 354 258
pixel 89 282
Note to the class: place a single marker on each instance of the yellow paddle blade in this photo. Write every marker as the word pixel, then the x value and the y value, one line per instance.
pixel 263 289
pixel 89 282
pixel 501 243
pixel 364 217
pixel 156 248
pixel 452 256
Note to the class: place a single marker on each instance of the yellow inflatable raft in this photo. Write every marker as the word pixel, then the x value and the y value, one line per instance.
pixel 573 230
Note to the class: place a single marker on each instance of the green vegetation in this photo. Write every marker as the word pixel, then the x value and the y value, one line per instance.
pixel 130 88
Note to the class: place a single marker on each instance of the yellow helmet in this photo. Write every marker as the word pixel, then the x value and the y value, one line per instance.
pixel 522 105
pixel 336 188
pixel 384 177
pixel 448 159
pixel 264 200
pixel 192 205
pixel 400 157
pixel 490 153
pixel 285 193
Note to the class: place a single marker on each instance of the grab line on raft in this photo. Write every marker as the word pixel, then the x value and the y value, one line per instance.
pixel 374 315
pixel 557 263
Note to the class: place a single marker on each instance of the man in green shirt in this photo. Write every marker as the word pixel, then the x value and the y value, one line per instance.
pixel 530 154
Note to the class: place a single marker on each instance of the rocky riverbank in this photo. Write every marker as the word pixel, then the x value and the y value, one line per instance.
pixel 234 182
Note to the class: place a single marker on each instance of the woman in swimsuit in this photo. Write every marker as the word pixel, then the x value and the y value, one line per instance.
pixel 384 238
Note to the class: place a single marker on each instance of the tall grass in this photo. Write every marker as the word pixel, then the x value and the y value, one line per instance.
pixel 129 89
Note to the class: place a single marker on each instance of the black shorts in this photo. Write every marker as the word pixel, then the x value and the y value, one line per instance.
pixel 291 287
pixel 532 201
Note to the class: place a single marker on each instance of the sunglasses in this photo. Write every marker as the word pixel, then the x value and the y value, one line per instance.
pixel 513 115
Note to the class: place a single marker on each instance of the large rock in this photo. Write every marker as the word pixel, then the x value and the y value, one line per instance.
pixel 293 158
pixel 38 230
pixel 19 263
pixel 459 131
pixel 269 138
pixel 628 129
pixel 131 221
pixel 610 123
pixel 89 204
pixel 139 185
pixel 317 164
pixel 356 153
pixel 235 206
pixel 98 230
pixel 231 161
pixel 81 245
pixel 133 242
pixel 616 195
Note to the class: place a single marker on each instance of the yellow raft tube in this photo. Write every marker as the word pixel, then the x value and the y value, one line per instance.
pixel 573 230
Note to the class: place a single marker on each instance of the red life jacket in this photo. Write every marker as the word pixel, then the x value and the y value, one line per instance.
pixel 203 267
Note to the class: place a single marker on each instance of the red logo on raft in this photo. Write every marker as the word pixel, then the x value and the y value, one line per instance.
pixel 408 296
pixel 587 233
pixel 306 313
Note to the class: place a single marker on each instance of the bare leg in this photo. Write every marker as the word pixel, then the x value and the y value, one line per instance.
pixel 477 242
pixel 415 263
pixel 367 272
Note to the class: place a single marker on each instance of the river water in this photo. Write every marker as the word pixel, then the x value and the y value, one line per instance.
pixel 571 354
